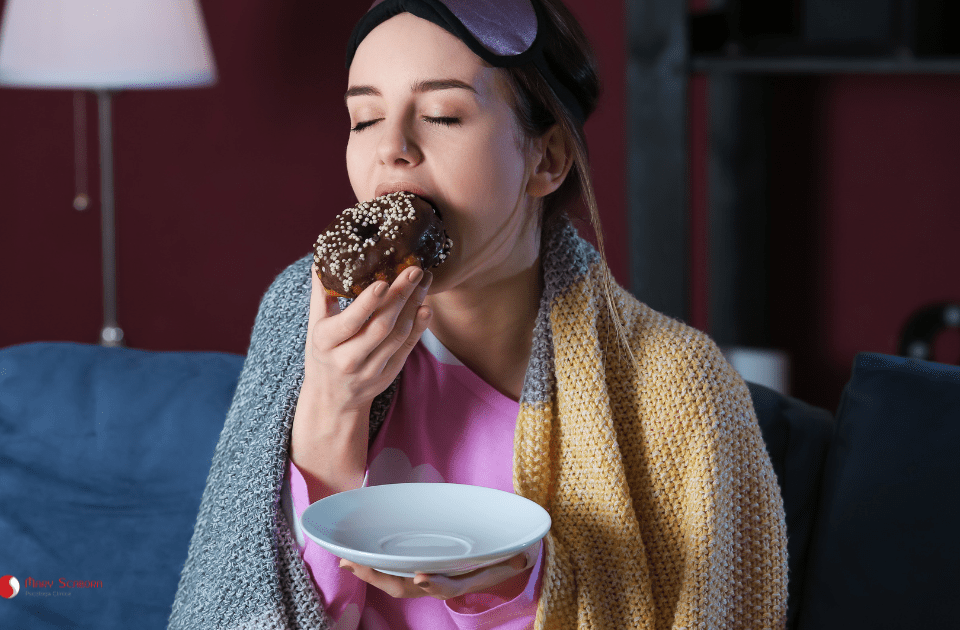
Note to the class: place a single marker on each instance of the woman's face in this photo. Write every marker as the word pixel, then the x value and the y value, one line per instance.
pixel 430 117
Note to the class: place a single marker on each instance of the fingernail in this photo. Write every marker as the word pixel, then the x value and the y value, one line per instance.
pixel 422 290
pixel 424 584
pixel 380 289
pixel 426 280
pixel 346 568
pixel 415 274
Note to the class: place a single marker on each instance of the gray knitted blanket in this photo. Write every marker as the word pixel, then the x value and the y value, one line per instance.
pixel 243 569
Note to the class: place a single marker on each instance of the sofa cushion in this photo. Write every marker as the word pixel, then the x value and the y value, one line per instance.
pixel 104 453
pixel 885 551
pixel 797 437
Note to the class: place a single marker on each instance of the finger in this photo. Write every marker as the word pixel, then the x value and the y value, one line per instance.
pixel 399 357
pixel 322 305
pixel 409 326
pixel 497 575
pixel 444 587
pixel 353 318
pixel 380 324
pixel 520 562
pixel 392 585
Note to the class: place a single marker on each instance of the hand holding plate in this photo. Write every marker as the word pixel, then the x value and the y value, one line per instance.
pixel 505 579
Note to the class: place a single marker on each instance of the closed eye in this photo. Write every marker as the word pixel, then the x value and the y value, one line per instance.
pixel 446 121
pixel 360 126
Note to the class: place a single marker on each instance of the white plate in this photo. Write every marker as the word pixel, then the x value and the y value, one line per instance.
pixel 444 528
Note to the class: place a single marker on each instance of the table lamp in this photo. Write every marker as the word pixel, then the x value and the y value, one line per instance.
pixel 105 46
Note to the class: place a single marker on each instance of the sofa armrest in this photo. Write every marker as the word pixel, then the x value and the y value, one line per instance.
pixel 797 437
pixel 885 548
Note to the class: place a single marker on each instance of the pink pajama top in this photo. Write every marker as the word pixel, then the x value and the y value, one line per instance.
pixel 445 424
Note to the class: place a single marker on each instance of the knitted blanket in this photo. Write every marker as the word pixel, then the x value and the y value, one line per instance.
pixel 665 507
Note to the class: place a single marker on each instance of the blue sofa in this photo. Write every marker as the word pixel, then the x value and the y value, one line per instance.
pixel 104 454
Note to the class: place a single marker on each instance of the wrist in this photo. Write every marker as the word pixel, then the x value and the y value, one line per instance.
pixel 329 449
pixel 322 401
pixel 324 416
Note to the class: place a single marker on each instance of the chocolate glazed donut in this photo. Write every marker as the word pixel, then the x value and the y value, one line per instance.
pixel 376 240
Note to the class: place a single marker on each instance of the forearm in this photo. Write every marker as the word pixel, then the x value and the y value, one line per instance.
pixel 349 358
pixel 329 449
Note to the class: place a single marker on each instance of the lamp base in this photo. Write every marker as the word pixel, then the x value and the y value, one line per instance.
pixel 112 337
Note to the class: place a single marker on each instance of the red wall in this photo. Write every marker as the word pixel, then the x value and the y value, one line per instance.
pixel 865 218
pixel 217 189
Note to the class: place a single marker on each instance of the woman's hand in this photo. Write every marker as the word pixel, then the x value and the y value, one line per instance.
pixel 351 357
pixel 506 579
pixel 354 355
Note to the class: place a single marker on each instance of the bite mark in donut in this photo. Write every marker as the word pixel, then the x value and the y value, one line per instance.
pixel 377 240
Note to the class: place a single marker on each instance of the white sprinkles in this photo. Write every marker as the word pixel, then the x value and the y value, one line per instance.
pixel 342 244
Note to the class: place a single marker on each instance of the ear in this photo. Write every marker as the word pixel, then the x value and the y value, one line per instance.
pixel 552 156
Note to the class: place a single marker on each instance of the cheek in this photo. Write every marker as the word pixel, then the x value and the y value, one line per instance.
pixel 493 171
pixel 489 190
pixel 355 165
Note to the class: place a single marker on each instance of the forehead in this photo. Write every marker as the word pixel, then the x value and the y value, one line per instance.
pixel 406 46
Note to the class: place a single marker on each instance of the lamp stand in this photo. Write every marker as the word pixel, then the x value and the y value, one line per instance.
pixel 111 334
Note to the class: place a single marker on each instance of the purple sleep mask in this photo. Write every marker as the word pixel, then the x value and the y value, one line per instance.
pixel 504 33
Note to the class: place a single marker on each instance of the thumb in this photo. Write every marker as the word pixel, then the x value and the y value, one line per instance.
pixel 322 305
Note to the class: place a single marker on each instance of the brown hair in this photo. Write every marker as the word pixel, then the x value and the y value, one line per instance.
pixel 571 59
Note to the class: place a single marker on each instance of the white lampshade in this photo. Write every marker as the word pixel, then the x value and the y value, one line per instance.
pixel 105 44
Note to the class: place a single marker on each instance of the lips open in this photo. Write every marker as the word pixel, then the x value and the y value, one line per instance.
pixel 378 239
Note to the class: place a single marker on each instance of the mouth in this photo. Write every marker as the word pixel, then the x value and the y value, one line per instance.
pixel 392 187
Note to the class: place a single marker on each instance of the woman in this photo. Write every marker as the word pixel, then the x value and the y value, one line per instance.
pixel 627 426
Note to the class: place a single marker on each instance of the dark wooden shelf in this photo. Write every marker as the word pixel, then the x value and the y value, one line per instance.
pixel 823 65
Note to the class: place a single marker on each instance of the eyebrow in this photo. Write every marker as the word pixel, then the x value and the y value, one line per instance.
pixel 419 87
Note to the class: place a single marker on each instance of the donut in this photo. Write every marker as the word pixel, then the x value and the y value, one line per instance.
pixel 378 239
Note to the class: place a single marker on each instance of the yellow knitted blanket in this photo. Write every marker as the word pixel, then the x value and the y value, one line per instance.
pixel 665 506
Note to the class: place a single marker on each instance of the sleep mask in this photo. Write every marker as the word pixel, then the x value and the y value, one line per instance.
pixel 504 33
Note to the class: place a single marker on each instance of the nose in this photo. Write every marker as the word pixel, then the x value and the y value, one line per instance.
pixel 397 146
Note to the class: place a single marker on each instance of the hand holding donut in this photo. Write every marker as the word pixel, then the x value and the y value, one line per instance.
pixel 350 357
